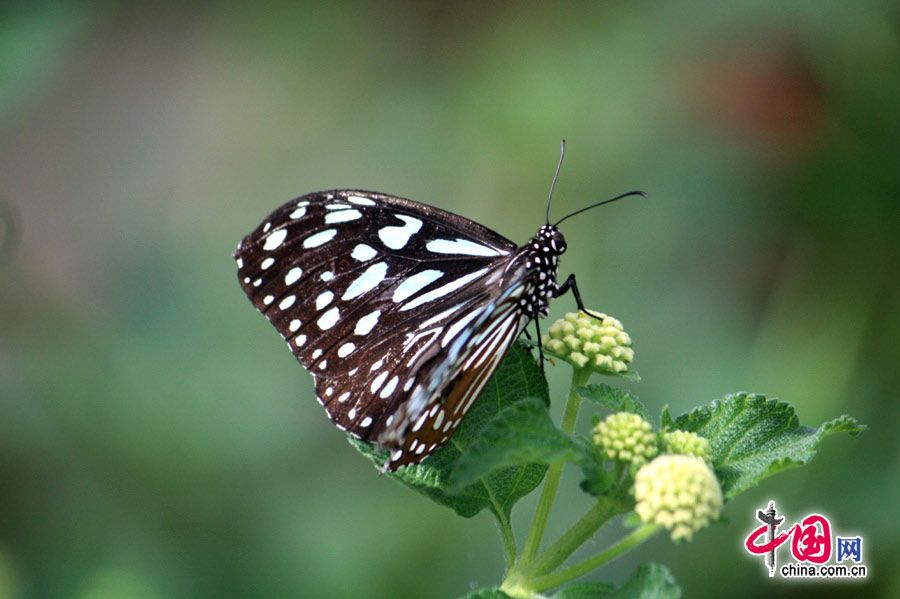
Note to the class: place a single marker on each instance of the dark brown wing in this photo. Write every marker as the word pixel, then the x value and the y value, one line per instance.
pixel 368 289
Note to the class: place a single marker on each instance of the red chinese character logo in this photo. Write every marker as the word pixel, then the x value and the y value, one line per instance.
pixel 812 540
pixel 765 546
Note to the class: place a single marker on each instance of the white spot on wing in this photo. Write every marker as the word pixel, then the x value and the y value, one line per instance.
pixel 329 319
pixel 363 252
pixel 327 275
pixel 379 380
pixel 345 350
pixel 319 238
pixel 457 326
pixel 267 263
pixel 367 323
pixel 389 388
pixel 342 216
pixel 361 201
pixel 324 299
pixel 300 340
pixel 440 317
pixel 397 237
pixel 287 302
pixel 275 239
pixel 298 213
pixel 420 422
pixel 413 284
pixel 444 289
pixel 460 246
pixel 293 275
pixel 367 281
pixel 268 299
pixel 295 324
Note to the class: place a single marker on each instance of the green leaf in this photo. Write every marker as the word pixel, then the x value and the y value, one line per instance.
pixel 518 377
pixel 666 422
pixel 649 581
pixel 520 434
pixel 753 437
pixel 585 590
pixel 614 399
pixel 597 480
pixel 628 375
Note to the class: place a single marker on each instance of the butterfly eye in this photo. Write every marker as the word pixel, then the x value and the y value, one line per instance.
pixel 558 242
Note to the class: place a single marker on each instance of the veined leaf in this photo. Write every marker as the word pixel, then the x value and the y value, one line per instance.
pixel 518 435
pixel 615 400
pixel 518 377
pixel 753 437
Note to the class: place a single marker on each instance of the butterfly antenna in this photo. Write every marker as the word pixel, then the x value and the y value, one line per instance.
pixel 562 154
pixel 619 197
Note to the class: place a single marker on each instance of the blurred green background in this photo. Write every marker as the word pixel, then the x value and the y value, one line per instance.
pixel 158 440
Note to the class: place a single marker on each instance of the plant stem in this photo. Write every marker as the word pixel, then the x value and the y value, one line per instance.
pixel 627 543
pixel 577 534
pixel 551 485
pixel 509 540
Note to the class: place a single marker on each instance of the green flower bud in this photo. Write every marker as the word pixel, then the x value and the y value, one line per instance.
pixel 586 342
pixel 678 492
pixel 685 443
pixel 625 437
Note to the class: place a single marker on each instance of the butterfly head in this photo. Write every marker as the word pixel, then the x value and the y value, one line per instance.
pixel 550 237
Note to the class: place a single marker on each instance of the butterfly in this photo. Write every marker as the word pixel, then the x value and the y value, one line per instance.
pixel 401 311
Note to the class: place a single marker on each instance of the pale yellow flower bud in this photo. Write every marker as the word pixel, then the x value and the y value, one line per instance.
pixel 686 443
pixel 625 437
pixel 586 342
pixel 678 492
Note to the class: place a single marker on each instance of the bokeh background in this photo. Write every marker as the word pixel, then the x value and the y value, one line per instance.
pixel 158 440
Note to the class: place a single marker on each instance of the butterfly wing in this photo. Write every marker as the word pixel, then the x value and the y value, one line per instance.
pixel 374 293
pixel 447 387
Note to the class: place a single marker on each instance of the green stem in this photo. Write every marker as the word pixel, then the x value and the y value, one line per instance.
pixel 577 535
pixel 509 541
pixel 551 485
pixel 626 544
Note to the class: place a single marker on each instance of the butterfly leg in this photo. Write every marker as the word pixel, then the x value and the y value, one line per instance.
pixel 537 328
pixel 571 284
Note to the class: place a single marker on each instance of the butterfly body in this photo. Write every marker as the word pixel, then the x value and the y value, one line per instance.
pixel 401 311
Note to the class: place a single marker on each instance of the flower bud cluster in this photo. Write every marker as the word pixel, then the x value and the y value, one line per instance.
pixel 626 437
pixel 678 492
pixel 599 343
pixel 686 443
